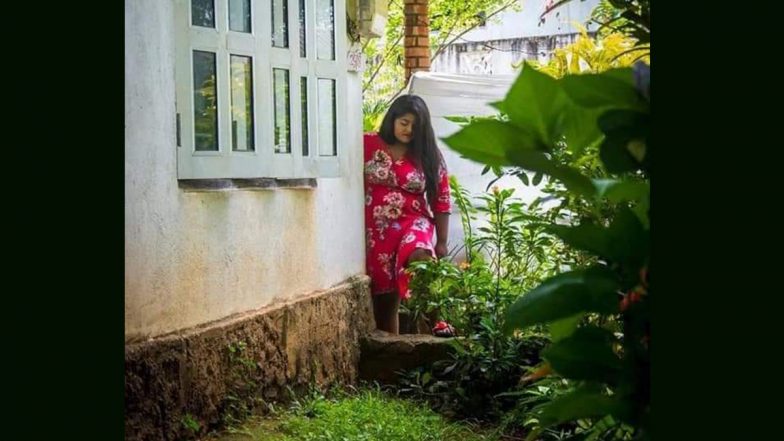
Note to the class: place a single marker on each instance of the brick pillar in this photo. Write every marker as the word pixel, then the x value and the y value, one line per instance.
pixel 417 40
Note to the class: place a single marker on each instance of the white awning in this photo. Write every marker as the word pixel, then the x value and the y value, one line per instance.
pixel 459 94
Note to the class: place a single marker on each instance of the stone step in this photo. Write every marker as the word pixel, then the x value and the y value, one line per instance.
pixel 383 354
pixel 410 326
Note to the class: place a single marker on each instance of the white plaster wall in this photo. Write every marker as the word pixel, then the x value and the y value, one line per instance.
pixel 525 22
pixel 513 36
pixel 196 257
pixel 499 57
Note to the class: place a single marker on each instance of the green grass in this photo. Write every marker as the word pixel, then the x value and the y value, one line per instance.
pixel 366 415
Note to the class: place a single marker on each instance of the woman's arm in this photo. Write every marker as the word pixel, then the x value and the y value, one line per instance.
pixel 442 210
pixel 442 233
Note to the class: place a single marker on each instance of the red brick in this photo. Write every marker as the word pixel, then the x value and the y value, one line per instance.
pixel 417 52
pixel 415 9
pixel 416 31
pixel 417 20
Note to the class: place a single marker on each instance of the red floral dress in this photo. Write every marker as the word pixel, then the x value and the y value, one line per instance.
pixel 398 219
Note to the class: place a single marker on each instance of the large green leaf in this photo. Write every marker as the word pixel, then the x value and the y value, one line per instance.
pixel 610 89
pixel 537 161
pixel 630 240
pixel 582 404
pixel 585 355
pixel 622 191
pixel 564 295
pixel 629 121
pixel 588 237
pixel 615 155
pixel 623 74
pixel 536 102
pixel 489 141
pixel 565 327
pixel 626 134
pixel 625 241
pixel 580 127
pixel 642 211
pixel 500 105
pixel 625 191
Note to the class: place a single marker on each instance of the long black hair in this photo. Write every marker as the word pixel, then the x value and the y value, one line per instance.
pixel 422 149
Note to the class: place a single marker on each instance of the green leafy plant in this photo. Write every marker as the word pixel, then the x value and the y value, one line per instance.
pixel 368 414
pixel 372 115
pixel 190 423
pixel 610 110
pixel 508 248
pixel 241 397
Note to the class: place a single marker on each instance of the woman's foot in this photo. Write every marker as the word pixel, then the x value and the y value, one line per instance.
pixel 443 329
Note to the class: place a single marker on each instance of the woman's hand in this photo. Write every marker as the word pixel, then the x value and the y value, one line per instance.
pixel 441 249
pixel 442 230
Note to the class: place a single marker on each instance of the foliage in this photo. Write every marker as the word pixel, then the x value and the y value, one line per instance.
pixel 630 18
pixel 190 423
pixel 241 398
pixel 509 249
pixel 588 54
pixel 372 115
pixel 609 110
pixel 366 414
pixel 384 76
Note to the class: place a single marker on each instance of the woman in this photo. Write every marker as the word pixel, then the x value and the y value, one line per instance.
pixel 406 202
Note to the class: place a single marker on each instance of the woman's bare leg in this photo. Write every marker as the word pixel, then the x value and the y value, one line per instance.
pixel 385 310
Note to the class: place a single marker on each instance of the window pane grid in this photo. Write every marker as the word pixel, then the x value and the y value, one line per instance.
pixel 203 13
pixel 326 122
pixel 239 16
pixel 242 129
pixel 304 112
pixel 280 23
pixel 282 110
pixel 205 101
pixel 226 70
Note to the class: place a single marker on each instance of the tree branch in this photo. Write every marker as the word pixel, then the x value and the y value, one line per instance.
pixel 554 6
pixel 443 46
pixel 634 49
pixel 381 64
pixel 446 37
